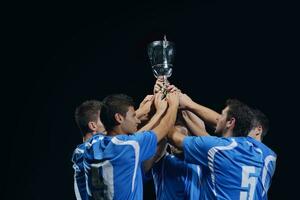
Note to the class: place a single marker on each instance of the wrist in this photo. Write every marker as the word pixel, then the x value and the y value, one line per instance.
pixel 159 112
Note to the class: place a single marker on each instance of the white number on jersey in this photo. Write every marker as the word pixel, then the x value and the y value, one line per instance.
pixel 248 181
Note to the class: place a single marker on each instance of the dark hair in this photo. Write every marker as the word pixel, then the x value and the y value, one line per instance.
pixel 88 111
pixel 243 117
pixel 112 104
pixel 260 119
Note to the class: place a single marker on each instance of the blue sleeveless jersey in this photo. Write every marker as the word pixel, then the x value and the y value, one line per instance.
pixel 174 179
pixel 113 165
pixel 233 168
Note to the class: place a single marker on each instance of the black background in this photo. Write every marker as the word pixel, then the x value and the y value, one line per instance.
pixel 60 54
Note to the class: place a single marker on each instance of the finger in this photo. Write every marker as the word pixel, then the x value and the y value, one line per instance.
pixel 156 89
pixel 159 84
pixel 158 96
pixel 149 97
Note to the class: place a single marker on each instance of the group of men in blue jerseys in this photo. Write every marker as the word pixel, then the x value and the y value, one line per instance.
pixel 166 140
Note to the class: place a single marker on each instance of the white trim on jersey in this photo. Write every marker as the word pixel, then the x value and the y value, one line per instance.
pixel 79 151
pixel 136 148
pixel 268 159
pixel 199 173
pixel 89 144
pixel 108 177
pixel 77 193
pixel 211 157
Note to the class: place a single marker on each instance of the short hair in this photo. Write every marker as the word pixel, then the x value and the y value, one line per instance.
pixel 243 117
pixel 260 119
pixel 87 112
pixel 112 104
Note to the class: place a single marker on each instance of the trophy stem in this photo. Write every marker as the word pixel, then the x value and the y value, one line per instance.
pixel 165 83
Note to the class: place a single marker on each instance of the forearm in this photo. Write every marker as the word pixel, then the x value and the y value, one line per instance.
pixel 154 121
pixel 166 123
pixel 195 124
pixel 195 130
pixel 140 112
pixel 208 115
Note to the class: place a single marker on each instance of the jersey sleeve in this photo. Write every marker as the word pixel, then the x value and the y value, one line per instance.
pixel 268 171
pixel 196 148
pixel 147 143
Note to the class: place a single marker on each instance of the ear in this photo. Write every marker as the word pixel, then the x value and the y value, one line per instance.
pixel 92 126
pixel 230 123
pixel 258 130
pixel 119 118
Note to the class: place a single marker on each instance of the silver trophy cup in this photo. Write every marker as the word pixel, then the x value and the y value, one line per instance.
pixel 161 55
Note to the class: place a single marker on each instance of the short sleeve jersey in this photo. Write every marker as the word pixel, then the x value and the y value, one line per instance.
pixel 113 165
pixel 79 175
pixel 175 179
pixel 233 168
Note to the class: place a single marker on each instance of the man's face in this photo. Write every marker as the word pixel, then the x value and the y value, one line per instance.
pixel 130 123
pixel 221 122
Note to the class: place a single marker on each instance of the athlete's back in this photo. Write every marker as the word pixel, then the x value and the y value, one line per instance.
pixel 79 177
pixel 113 165
pixel 232 167
pixel 175 179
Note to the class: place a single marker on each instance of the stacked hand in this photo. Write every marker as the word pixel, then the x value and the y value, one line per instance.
pixel 164 88
pixel 173 99
pixel 160 103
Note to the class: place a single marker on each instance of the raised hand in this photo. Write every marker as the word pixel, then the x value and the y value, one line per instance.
pixel 173 99
pixel 172 88
pixel 158 85
pixel 147 100
pixel 145 107
pixel 159 103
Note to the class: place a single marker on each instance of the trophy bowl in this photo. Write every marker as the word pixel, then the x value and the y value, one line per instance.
pixel 161 55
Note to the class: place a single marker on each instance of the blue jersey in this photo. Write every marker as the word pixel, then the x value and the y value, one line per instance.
pixel 232 168
pixel 79 175
pixel 113 165
pixel 269 158
pixel 175 179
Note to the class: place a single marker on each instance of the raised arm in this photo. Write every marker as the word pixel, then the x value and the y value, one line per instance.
pixel 161 106
pixel 194 123
pixel 144 108
pixel 208 115
pixel 168 120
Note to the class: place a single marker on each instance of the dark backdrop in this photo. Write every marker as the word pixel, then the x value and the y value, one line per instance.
pixel 61 54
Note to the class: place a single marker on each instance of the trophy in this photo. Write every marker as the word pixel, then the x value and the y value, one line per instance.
pixel 161 55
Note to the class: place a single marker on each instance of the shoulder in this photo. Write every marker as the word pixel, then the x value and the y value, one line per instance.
pixel 267 151
pixel 78 152
pixel 79 149
pixel 140 135
pixel 211 141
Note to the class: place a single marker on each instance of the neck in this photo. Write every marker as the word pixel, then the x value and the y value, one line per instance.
pixel 228 133
pixel 255 137
pixel 116 131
